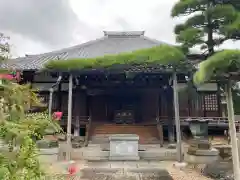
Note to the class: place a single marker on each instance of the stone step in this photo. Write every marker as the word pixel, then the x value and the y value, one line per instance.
pixel 104 138
pixel 145 133
pixel 160 154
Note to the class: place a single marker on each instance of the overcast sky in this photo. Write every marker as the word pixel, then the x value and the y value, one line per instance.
pixel 37 26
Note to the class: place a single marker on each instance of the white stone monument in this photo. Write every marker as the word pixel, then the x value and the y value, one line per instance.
pixel 124 147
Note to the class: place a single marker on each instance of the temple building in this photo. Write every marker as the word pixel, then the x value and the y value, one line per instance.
pixel 138 100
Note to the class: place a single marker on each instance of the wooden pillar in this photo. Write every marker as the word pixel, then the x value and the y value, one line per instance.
pixel 169 101
pixel 88 126
pixel 50 103
pixel 69 122
pixel 77 108
pixel 59 96
pixel 177 119
pixel 159 126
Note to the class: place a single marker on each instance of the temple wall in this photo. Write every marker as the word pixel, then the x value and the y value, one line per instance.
pixel 98 108
pixel 44 77
pixel 149 106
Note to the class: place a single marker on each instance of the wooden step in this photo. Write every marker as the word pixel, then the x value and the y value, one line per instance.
pixel 147 134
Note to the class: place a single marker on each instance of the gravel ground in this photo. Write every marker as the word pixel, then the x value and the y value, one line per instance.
pixel 187 173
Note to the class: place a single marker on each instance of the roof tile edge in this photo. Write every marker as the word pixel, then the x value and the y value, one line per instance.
pixel 123 33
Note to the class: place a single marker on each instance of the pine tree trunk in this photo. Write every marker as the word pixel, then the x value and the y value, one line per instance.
pixel 232 129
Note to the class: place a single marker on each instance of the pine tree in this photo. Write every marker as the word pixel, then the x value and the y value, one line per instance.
pixel 209 23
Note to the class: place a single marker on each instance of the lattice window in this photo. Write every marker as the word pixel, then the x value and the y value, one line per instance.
pixel 210 102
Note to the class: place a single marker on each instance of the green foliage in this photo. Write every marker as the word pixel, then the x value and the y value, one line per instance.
pixel 23 165
pixel 19 128
pixel 219 64
pixel 163 54
pixel 41 125
pixel 232 30
pixel 4 47
pixel 209 23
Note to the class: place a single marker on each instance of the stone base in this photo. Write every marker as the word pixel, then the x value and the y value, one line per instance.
pixel 198 143
pixel 48 155
pixel 202 156
pixel 122 158
pixel 124 147
pixel 95 153
pixel 63 149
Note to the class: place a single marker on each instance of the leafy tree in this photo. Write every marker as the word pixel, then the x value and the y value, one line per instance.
pixel 4 46
pixel 19 129
pixel 209 23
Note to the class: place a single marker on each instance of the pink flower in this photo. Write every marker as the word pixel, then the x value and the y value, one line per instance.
pixel 6 76
pixel 57 115
pixel 72 169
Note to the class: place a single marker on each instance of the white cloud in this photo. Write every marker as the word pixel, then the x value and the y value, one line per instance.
pixel 39 26
pixel 153 16
pixel 20 46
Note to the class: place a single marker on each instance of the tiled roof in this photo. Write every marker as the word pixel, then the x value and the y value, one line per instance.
pixel 112 42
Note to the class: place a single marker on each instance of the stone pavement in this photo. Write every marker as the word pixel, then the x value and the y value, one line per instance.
pixel 125 164
pixel 161 170
pixel 107 165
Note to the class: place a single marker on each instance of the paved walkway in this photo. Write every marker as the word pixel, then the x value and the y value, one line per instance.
pixel 138 166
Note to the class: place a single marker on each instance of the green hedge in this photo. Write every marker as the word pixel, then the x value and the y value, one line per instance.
pixel 163 54
pixel 218 64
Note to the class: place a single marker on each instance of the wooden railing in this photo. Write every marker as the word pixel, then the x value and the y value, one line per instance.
pixel 212 120
pixel 83 120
